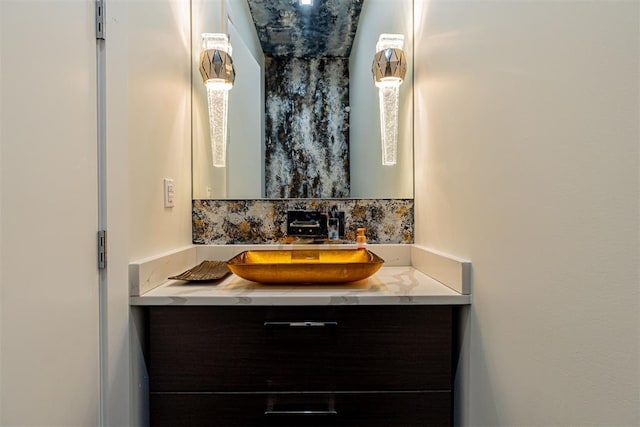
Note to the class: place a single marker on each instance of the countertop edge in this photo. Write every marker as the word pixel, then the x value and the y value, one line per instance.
pixel 389 286
pixel 300 301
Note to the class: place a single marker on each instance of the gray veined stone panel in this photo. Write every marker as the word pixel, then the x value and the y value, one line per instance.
pixel 286 29
pixel 307 128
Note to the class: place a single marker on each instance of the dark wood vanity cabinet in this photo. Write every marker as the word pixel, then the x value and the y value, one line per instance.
pixel 300 366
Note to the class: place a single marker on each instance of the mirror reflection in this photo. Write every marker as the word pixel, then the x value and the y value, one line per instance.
pixel 303 113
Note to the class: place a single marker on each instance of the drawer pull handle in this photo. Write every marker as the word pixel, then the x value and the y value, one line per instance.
pixel 296 408
pixel 301 324
pixel 330 412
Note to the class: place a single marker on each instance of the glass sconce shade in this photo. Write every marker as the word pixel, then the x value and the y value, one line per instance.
pixel 389 69
pixel 218 100
pixel 389 100
pixel 218 74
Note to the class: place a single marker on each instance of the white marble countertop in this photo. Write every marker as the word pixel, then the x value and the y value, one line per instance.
pixel 399 285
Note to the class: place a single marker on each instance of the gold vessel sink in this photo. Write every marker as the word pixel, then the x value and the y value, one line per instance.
pixel 305 265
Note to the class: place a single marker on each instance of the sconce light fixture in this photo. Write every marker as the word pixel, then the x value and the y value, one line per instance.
pixel 389 68
pixel 218 74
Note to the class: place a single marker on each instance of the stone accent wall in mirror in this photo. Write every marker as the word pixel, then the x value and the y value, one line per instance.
pixel 304 116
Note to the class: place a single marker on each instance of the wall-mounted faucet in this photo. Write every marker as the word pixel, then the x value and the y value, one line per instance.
pixel 306 224
pixel 316 224
pixel 335 223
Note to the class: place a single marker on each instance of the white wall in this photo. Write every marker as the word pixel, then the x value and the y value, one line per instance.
pixel 49 350
pixel 238 12
pixel 207 181
pixel 369 178
pixel 243 177
pixel 527 164
pixel 159 94
pixel 1 209
pixel 246 149
pixel 149 67
pixel 1 205
pixel 49 212
pixel 118 409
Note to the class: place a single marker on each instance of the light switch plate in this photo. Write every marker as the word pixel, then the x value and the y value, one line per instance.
pixel 169 193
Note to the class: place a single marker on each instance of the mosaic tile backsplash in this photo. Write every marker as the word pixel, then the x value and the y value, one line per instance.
pixel 264 221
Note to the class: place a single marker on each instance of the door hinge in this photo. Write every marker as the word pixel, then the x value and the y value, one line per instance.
pixel 100 33
pixel 102 249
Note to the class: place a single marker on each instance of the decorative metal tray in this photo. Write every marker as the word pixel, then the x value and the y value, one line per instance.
pixel 305 265
pixel 205 271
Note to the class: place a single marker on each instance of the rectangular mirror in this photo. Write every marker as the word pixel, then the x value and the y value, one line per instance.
pixel 303 114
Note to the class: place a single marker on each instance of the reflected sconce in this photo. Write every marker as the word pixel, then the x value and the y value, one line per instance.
pixel 218 74
pixel 389 68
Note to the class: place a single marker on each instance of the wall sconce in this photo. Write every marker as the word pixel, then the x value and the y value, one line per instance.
pixel 218 74
pixel 389 68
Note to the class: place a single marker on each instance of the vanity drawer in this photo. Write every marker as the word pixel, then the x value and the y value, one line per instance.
pixel 218 349
pixel 336 409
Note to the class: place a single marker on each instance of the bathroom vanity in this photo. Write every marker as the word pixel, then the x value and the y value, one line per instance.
pixel 342 365
pixel 379 352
